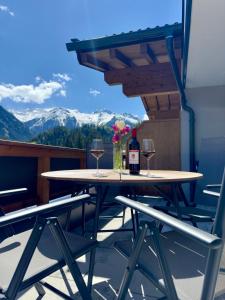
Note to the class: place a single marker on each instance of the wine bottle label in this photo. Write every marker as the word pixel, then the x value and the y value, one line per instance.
pixel 134 157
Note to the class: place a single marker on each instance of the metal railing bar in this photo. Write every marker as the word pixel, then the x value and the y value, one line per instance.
pixel 209 240
pixel 39 210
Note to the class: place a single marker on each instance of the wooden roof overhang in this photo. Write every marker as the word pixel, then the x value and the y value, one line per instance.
pixel 139 61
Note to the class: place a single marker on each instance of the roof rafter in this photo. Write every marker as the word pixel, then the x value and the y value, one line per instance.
pixel 93 62
pixel 148 53
pixel 126 61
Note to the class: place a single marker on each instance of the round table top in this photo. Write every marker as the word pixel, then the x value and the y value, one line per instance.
pixel 110 176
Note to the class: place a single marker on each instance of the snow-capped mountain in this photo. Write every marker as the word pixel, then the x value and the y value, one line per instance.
pixel 41 119
pixel 11 128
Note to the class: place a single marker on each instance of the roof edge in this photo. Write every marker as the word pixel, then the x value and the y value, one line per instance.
pixel 125 39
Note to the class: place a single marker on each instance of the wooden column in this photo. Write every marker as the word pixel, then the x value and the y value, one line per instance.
pixel 83 162
pixel 43 183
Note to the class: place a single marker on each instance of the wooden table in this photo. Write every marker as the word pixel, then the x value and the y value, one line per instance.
pixel 160 177
pixel 111 177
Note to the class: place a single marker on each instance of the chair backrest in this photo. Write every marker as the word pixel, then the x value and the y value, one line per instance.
pixel 219 224
pixel 211 164
pixel 215 259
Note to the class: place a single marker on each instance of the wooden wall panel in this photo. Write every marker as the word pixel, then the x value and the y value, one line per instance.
pixel 166 136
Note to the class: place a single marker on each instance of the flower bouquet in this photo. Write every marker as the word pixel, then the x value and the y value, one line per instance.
pixel 120 130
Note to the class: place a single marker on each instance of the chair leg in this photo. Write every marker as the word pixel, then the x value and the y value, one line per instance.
pixel 123 218
pixel 69 259
pixel 83 218
pixel 131 265
pixel 56 291
pixel 133 222
pixel 137 219
pixel 66 282
pixel 91 269
pixel 39 288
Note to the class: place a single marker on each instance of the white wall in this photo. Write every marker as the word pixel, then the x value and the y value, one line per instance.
pixel 206 54
pixel 209 106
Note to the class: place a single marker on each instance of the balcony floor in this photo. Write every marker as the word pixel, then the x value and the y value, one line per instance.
pixel 109 268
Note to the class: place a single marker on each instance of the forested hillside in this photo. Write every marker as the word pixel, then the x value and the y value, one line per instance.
pixel 77 138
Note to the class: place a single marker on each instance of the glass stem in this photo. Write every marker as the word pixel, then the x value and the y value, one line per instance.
pixel 148 166
pixel 97 166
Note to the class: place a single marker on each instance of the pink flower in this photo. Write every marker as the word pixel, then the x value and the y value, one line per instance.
pixel 115 138
pixel 115 128
pixel 123 131
pixel 127 129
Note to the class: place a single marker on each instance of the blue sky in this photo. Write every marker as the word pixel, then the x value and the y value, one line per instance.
pixel 37 71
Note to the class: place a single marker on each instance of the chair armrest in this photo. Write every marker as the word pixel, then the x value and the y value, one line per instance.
pixel 12 192
pixel 213 186
pixel 41 210
pixel 211 193
pixel 207 239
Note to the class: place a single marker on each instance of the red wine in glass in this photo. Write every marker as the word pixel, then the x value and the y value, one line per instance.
pixel 97 150
pixel 148 154
pixel 148 150
pixel 97 153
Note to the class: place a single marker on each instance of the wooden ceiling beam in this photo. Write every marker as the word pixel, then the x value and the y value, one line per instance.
pixel 154 91
pixel 93 62
pixel 118 55
pixel 148 53
pixel 118 76
pixel 152 79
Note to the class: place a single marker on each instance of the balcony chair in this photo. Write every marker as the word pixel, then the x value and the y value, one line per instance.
pixel 194 213
pixel 213 172
pixel 184 263
pixel 28 257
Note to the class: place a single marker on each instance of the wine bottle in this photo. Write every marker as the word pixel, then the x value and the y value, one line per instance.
pixel 134 154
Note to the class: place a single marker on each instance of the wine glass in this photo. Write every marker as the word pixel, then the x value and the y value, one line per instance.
pixel 97 150
pixel 148 150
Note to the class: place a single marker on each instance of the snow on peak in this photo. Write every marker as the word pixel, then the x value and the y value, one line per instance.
pixel 41 119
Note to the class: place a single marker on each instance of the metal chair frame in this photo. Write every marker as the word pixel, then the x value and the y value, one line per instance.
pixel 43 219
pixel 214 242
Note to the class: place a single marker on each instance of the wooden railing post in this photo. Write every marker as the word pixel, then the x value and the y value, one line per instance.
pixel 42 183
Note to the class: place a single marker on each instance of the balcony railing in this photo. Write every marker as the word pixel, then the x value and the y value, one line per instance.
pixel 21 165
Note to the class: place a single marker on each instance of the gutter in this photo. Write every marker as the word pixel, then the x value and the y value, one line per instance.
pixel 186 22
pixel 187 108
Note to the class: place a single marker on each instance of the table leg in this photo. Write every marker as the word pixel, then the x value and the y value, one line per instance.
pixel 175 199
pixel 163 194
pixel 99 200
pixel 135 217
pixel 183 196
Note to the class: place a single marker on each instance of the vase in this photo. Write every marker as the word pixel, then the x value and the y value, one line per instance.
pixel 117 158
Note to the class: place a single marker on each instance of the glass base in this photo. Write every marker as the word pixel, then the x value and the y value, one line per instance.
pixel 99 174
pixel 152 176
pixel 149 175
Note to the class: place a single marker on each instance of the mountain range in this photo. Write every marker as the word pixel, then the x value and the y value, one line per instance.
pixel 42 119
pixel 11 128
pixel 25 124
